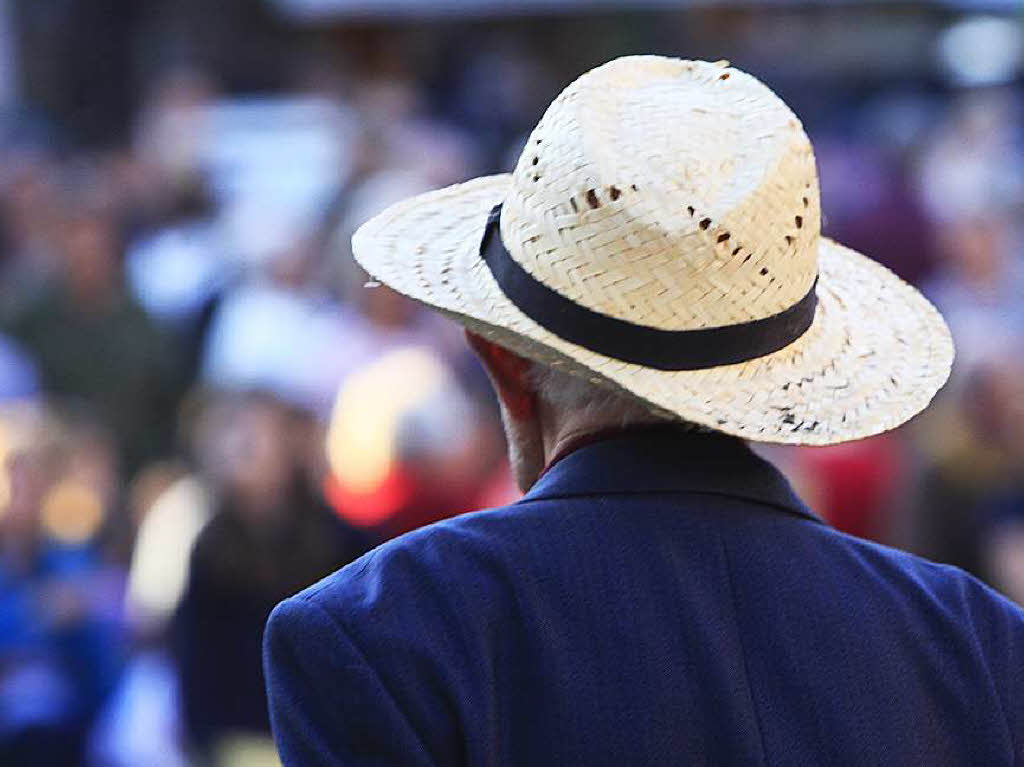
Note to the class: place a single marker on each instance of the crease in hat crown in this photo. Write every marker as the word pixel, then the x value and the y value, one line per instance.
pixel 669 193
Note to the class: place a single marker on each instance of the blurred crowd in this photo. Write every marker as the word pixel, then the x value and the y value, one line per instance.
pixel 205 406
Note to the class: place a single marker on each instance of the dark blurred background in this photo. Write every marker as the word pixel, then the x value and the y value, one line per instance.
pixel 202 407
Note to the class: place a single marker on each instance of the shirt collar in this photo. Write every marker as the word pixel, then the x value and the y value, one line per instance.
pixel 667 459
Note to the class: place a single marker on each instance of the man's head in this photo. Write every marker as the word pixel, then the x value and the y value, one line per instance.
pixel 684 266
pixel 543 408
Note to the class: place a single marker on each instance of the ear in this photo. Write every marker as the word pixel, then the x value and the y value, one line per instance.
pixel 510 375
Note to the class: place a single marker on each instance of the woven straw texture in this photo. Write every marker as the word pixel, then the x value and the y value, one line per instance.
pixel 678 195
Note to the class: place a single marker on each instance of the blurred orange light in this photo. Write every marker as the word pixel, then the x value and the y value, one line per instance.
pixel 363 430
pixel 72 512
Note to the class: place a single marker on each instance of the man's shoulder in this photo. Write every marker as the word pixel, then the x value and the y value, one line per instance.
pixel 876 574
pixel 455 559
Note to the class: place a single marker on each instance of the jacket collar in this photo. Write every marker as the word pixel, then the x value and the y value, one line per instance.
pixel 667 459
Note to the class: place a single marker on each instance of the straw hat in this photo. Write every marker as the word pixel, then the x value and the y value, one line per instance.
pixel 660 236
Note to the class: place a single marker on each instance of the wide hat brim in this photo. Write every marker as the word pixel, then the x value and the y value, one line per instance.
pixel 874 356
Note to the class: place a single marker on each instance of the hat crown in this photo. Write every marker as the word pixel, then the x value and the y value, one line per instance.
pixel 669 193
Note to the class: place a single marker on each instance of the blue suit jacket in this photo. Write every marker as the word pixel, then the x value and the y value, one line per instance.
pixel 656 599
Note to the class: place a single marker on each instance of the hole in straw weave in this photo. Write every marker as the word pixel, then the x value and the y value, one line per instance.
pixel 633 187
pixel 592 200
pixel 614 192
pixel 789 240
pixel 705 223
pixel 764 270
pixel 806 202
pixel 736 250
pixel 799 221
pixel 724 76
pixel 536 160
pixel 575 207
pixel 724 237
pixel 689 209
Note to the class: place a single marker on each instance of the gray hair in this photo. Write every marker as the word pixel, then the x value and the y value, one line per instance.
pixel 567 393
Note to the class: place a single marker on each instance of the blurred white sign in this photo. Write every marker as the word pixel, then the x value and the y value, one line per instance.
pixel 278 149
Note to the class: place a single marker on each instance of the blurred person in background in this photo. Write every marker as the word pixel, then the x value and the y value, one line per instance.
pixel 89 338
pixel 971 179
pixel 1001 509
pixel 30 224
pixel 981 285
pixel 178 274
pixel 61 637
pixel 269 535
pixel 970 483
pixel 274 327
pixel 141 722
pixel 170 134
